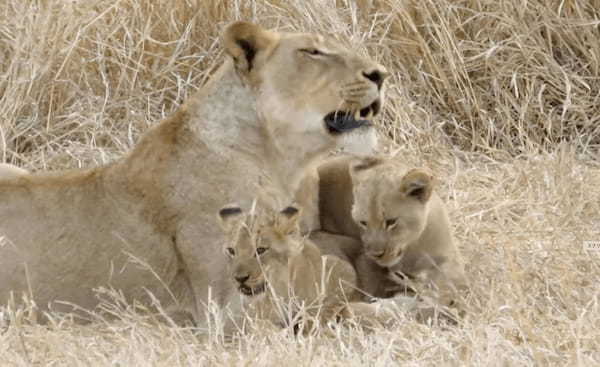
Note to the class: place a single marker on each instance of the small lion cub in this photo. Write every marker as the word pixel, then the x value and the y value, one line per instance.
pixel 282 275
pixel 402 223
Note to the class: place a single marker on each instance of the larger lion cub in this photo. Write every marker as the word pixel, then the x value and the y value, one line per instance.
pixel 401 221
pixel 279 272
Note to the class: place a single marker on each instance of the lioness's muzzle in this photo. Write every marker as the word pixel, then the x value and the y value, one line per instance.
pixel 339 122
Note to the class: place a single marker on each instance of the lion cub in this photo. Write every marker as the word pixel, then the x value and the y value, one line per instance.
pixel 279 272
pixel 401 221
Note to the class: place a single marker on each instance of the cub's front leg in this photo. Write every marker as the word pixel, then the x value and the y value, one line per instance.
pixel 382 313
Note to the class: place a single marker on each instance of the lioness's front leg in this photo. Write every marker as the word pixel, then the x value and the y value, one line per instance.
pixel 211 296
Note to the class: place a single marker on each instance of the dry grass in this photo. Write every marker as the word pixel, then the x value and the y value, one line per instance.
pixel 500 97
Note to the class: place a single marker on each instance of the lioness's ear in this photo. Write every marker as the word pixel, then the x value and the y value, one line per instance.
pixel 287 220
pixel 417 183
pixel 229 216
pixel 243 41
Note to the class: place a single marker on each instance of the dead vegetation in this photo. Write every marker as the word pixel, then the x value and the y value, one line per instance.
pixel 501 98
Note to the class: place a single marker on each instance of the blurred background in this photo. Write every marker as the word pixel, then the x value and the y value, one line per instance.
pixel 79 80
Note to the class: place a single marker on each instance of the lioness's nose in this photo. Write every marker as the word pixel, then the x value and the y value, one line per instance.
pixel 241 278
pixel 376 75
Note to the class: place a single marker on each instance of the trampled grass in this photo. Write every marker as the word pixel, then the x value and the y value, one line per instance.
pixel 500 98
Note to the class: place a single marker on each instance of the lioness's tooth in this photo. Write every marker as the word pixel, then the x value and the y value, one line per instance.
pixel 370 114
pixel 357 115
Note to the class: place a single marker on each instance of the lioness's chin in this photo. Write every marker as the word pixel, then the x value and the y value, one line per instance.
pixel 362 142
pixel 254 291
pixel 343 122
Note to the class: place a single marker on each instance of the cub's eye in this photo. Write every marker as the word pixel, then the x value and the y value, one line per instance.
pixel 389 223
pixel 261 250
pixel 230 251
pixel 312 51
pixel 363 223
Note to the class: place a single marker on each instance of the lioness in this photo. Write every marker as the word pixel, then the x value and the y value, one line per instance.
pixel 146 223
pixel 8 171
pixel 274 266
pixel 401 221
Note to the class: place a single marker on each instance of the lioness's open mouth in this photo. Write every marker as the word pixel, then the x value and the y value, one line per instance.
pixel 339 122
pixel 247 291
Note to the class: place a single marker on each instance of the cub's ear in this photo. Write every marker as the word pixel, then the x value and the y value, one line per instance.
pixel 363 164
pixel 243 41
pixel 287 224
pixel 229 216
pixel 288 219
pixel 417 183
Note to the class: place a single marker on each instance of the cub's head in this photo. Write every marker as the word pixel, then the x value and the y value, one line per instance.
pixel 390 206
pixel 258 246
pixel 307 85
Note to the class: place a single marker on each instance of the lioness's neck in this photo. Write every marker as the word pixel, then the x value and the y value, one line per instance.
pixel 223 115
pixel 225 118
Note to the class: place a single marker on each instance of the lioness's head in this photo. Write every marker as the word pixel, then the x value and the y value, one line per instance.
pixel 259 245
pixel 390 206
pixel 307 84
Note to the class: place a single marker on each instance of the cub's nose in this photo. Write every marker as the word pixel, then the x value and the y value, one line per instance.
pixel 377 76
pixel 241 278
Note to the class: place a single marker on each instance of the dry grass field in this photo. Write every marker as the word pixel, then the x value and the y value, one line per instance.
pixel 501 98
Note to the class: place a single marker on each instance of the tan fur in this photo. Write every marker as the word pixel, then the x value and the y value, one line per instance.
pixel 307 197
pixel 146 223
pixel 415 250
pixel 8 171
pixel 274 266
